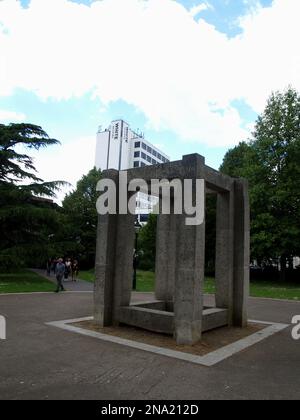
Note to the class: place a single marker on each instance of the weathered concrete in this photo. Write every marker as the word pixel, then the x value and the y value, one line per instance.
pixel 214 318
pixel 241 271
pixel 180 257
pixel 224 252
pixel 148 319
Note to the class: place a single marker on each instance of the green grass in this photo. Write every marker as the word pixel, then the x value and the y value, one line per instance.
pixel 24 281
pixel 87 275
pixel 275 290
pixel 265 289
pixel 146 280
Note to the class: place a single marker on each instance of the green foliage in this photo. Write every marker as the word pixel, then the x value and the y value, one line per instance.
pixel 15 166
pixel 147 244
pixel 26 221
pixel 80 211
pixel 270 161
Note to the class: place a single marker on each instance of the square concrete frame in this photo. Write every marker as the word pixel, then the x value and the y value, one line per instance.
pixel 180 259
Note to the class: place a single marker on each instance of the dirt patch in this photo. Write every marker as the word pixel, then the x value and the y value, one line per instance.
pixel 211 341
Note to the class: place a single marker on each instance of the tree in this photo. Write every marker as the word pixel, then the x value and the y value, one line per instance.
pixel 81 217
pixel 25 219
pixel 271 163
pixel 147 244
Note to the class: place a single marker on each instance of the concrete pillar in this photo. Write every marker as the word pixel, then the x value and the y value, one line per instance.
pixel 105 264
pixel 190 261
pixel 123 278
pixel 224 251
pixel 165 264
pixel 241 253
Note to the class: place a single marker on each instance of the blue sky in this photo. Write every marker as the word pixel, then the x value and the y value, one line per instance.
pixel 192 75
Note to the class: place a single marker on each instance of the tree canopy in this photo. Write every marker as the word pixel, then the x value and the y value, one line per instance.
pixel 79 208
pixel 271 162
pixel 26 221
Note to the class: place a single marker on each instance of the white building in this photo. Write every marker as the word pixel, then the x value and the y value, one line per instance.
pixel 119 147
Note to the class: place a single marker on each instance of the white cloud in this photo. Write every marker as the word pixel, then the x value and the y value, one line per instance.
pixel 10 116
pixel 67 162
pixel 182 74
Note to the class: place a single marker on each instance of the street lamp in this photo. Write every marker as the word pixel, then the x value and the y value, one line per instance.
pixel 137 227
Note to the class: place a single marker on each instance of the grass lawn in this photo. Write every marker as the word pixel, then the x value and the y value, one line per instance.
pixel 145 283
pixel 87 275
pixel 24 281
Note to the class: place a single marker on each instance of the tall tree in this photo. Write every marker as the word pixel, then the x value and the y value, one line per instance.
pixel 81 216
pixel 25 220
pixel 271 163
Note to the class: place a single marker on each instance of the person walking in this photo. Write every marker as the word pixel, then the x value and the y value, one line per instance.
pixel 59 272
pixel 75 270
pixel 67 268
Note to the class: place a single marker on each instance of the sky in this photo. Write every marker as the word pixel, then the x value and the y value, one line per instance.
pixel 192 75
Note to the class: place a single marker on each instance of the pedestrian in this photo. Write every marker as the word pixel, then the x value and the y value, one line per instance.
pixel 67 268
pixel 59 272
pixel 75 270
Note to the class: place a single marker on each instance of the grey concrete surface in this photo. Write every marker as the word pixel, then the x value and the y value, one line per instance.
pixel 43 362
pixel 180 260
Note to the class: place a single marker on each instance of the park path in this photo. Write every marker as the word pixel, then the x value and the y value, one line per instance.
pixel 70 286
pixel 39 361
pixel 85 286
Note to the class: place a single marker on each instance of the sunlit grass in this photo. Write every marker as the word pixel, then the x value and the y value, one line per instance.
pixel 24 281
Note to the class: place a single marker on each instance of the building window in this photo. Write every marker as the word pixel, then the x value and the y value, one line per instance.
pixel 136 164
pixel 136 154
pixel 154 162
pixel 143 164
pixel 159 156
pixel 144 156
pixel 149 159
pixel 144 146
pixel 137 144
pixel 154 153
pixel 149 150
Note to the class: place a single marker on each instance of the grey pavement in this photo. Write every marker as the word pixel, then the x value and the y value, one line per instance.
pixel 43 362
pixel 70 286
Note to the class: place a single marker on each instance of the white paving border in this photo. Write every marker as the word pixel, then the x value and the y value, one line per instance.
pixel 208 360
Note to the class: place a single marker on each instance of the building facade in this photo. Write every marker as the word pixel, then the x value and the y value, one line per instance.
pixel 119 147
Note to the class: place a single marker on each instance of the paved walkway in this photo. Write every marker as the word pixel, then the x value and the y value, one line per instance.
pixel 70 286
pixel 43 362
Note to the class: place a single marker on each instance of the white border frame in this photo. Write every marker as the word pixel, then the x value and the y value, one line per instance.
pixel 208 360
